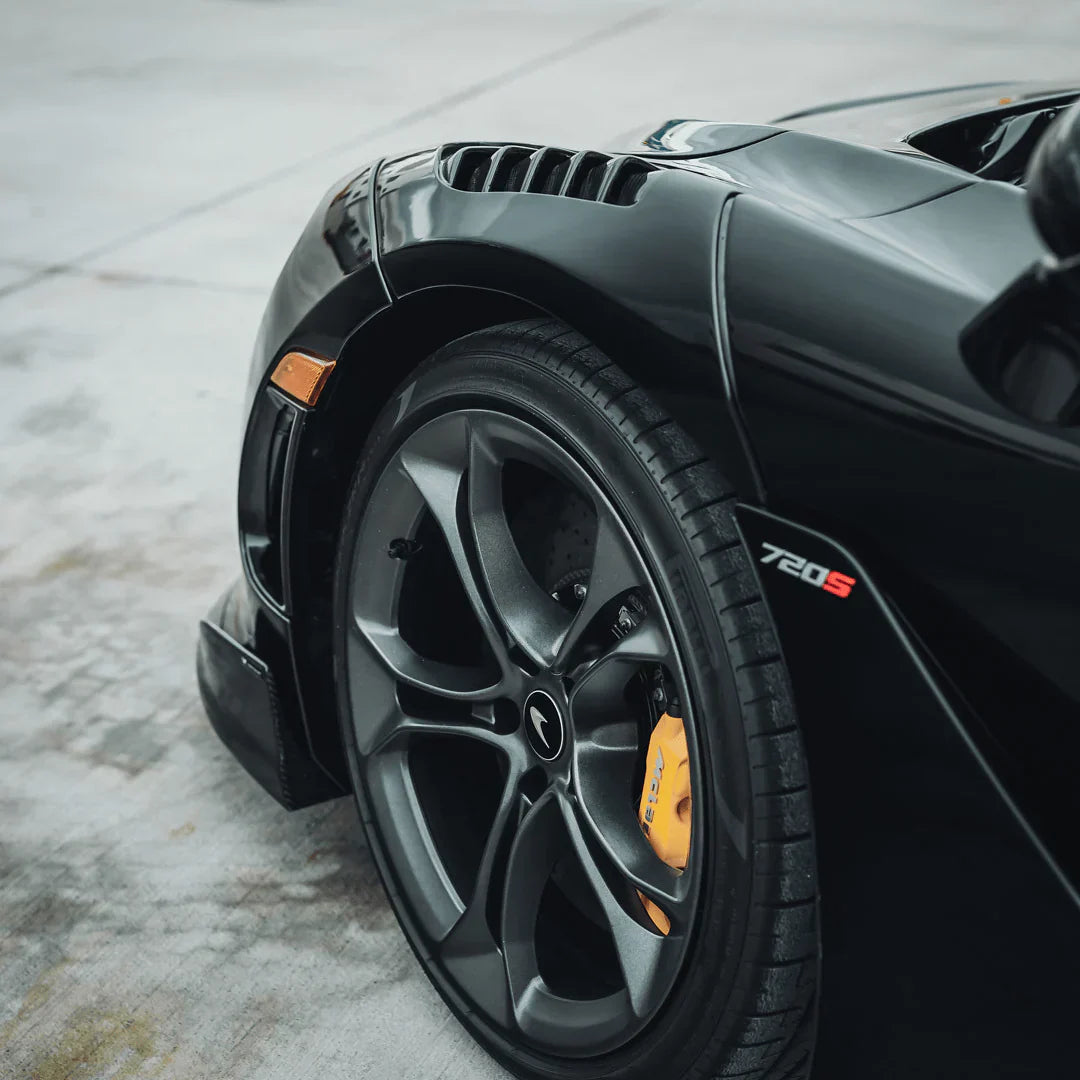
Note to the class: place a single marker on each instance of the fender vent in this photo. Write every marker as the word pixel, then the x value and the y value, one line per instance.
pixel 546 171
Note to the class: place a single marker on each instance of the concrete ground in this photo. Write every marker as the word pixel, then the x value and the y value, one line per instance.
pixel 160 916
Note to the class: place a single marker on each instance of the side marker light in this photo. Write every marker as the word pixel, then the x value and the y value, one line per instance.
pixel 302 375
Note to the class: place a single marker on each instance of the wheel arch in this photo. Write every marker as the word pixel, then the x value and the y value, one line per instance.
pixel 375 359
pixel 378 355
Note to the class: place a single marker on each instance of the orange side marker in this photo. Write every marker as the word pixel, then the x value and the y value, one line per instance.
pixel 302 375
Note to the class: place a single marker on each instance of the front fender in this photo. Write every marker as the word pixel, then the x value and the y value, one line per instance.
pixel 330 282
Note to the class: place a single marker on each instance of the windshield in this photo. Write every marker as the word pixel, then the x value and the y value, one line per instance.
pixel 994 145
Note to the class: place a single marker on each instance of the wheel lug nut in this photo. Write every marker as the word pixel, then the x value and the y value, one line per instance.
pixel 580 591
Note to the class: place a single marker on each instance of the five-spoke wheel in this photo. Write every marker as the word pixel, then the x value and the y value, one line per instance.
pixel 549 689
pixel 568 724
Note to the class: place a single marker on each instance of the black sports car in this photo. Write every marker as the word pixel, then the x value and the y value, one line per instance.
pixel 674 550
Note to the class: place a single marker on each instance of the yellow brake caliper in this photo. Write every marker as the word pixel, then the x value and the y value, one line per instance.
pixel 665 803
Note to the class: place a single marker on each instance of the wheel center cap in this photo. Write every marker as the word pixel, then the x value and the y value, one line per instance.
pixel 544 725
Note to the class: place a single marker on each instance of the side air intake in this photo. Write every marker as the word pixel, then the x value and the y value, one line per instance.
pixel 546 171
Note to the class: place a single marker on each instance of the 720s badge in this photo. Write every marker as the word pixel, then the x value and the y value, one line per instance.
pixel 820 577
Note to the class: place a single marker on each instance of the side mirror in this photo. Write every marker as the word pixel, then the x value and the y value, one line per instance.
pixel 1024 348
pixel 1053 184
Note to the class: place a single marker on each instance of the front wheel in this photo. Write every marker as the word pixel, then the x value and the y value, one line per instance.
pixel 569 726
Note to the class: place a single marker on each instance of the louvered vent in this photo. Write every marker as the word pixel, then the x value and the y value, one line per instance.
pixel 546 171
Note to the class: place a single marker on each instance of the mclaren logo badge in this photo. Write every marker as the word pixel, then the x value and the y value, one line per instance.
pixel 544 727
pixel 538 721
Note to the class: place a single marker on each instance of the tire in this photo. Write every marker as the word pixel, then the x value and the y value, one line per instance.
pixel 731 989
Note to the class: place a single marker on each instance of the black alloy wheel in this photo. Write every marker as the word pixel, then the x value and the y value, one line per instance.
pixel 516 609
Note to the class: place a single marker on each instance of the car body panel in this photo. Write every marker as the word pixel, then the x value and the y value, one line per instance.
pixel 946 924
pixel 826 178
pixel 433 234
pixel 898 443
pixel 301 311
pixel 691 138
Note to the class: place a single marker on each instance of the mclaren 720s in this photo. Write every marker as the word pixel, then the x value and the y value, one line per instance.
pixel 675 552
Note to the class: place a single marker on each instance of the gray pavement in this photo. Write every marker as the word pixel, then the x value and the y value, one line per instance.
pixel 160 916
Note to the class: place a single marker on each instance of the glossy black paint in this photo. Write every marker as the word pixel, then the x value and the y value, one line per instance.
pixel 330 281
pixel 945 926
pixel 692 138
pixel 329 284
pixel 873 423
pixel 799 303
pixel 254 711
